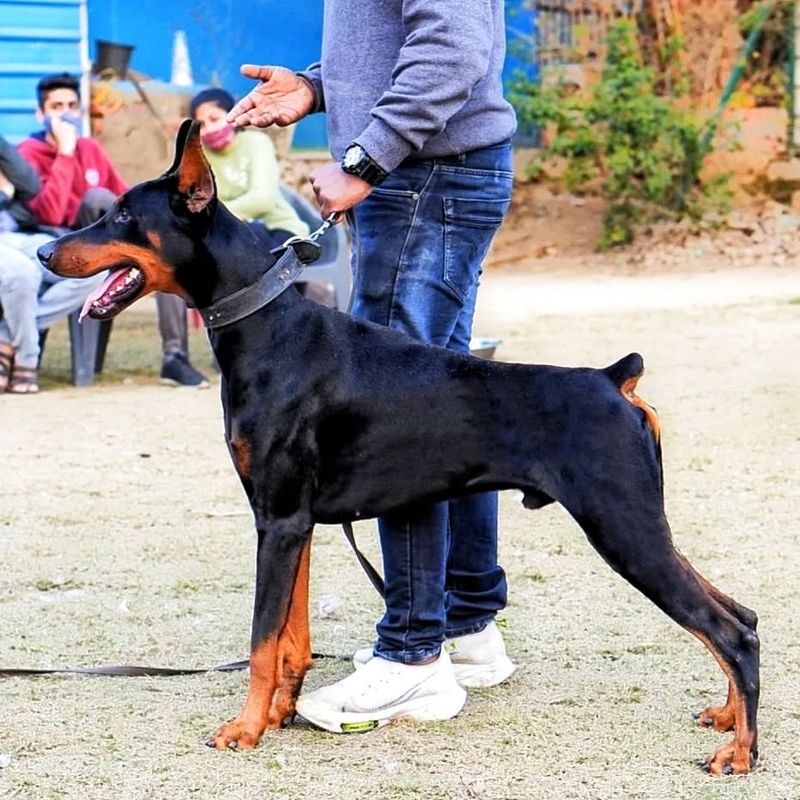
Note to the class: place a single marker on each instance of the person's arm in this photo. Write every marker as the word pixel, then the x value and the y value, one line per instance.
pixel 264 175
pixel 49 205
pixel 111 179
pixel 18 172
pixel 446 52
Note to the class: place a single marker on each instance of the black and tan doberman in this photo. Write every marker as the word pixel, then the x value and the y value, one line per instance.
pixel 331 419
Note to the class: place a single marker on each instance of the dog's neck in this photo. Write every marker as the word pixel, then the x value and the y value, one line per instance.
pixel 233 255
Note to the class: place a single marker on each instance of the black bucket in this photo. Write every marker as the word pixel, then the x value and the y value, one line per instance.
pixel 112 59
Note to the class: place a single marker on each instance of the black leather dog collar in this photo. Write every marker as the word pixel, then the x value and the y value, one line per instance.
pixel 247 301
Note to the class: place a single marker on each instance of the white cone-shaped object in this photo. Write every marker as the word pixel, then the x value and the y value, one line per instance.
pixel 181 68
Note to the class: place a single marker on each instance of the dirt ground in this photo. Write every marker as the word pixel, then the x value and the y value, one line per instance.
pixel 124 537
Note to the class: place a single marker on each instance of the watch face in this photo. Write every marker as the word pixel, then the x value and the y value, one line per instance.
pixel 352 156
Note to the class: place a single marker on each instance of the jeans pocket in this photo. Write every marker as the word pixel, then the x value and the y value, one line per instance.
pixel 469 227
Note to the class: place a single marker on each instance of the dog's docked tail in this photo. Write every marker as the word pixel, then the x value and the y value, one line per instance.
pixel 625 374
pixel 631 367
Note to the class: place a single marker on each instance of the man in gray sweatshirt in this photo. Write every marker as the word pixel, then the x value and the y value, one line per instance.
pixel 420 133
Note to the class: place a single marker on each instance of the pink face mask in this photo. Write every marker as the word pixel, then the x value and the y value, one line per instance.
pixel 219 140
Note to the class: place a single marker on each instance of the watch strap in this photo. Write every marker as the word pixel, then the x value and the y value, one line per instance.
pixel 367 168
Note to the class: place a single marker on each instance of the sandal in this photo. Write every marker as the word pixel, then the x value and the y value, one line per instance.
pixel 23 380
pixel 6 364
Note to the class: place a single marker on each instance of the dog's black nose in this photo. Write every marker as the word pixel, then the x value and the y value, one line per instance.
pixel 45 253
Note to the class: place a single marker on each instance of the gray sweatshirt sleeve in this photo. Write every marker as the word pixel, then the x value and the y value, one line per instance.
pixel 446 52
pixel 313 76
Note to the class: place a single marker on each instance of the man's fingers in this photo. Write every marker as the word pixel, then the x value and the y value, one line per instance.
pixel 258 73
pixel 283 119
pixel 255 117
pixel 241 108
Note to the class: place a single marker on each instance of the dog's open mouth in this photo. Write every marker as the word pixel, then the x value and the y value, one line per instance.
pixel 118 290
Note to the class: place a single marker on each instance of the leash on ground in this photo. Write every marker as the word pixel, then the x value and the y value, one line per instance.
pixel 138 671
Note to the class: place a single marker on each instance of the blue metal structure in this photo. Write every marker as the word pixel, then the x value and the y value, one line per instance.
pixel 37 37
pixel 521 40
pixel 221 35
pixel 522 61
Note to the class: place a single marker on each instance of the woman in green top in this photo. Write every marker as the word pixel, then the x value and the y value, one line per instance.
pixel 245 168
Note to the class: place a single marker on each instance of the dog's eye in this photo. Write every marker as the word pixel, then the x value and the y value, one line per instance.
pixel 122 216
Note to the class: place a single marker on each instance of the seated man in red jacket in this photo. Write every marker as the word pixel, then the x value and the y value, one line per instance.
pixel 79 184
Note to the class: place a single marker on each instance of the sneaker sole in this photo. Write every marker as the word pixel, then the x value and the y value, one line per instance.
pixel 481 676
pixel 177 385
pixel 422 709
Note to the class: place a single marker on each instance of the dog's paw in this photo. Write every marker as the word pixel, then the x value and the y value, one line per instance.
pixel 236 734
pixel 720 718
pixel 729 760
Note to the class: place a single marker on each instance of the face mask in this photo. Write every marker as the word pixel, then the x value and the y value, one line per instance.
pixel 219 140
pixel 72 119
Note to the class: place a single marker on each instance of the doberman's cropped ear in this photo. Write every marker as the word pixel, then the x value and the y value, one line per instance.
pixel 196 187
pixel 180 142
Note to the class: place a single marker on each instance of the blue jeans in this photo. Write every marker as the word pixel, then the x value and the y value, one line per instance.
pixel 419 241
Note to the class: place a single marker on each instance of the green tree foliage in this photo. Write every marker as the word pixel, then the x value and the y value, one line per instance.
pixel 643 148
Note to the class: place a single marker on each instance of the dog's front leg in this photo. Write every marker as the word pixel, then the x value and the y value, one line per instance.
pixel 281 644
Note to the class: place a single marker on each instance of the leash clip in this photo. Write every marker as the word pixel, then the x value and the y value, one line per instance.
pixel 306 247
pixel 329 222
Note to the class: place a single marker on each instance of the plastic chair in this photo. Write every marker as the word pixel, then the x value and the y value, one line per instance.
pixel 87 346
pixel 333 266
pixel 88 341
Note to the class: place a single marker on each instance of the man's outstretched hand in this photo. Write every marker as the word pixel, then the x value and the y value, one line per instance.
pixel 280 99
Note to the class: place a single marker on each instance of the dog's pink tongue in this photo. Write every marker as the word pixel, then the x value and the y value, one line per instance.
pixel 99 292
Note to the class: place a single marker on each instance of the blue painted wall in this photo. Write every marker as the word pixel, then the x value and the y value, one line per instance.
pixel 521 57
pixel 42 36
pixel 37 37
pixel 221 35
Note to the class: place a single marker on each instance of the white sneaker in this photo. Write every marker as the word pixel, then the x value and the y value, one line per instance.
pixel 479 659
pixel 382 691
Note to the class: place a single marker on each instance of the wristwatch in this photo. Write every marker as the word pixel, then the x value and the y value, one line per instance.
pixel 357 161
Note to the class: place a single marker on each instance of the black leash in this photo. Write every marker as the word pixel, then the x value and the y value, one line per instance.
pixel 138 671
pixel 123 670
pixel 373 574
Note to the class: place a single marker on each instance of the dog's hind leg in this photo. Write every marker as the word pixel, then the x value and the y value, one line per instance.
pixel 634 538
pixel 723 718
pixel 281 648
pixel 621 508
